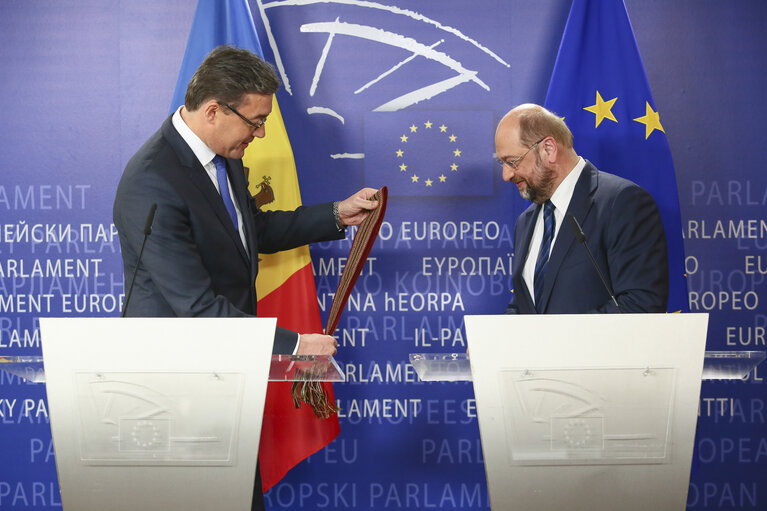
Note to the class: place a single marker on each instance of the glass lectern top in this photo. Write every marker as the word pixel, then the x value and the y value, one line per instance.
pixel 305 368
pixel 730 365
pixel 442 366
pixel 282 368
pixel 29 368
pixel 717 365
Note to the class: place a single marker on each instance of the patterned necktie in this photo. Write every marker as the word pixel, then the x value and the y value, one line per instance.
pixel 223 188
pixel 543 255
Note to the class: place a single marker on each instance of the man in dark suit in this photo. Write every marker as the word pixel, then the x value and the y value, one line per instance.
pixel 552 272
pixel 202 256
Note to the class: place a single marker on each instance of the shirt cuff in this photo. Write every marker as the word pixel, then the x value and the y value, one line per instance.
pixel 298 341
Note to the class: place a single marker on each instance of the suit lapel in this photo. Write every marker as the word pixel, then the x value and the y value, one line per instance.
pixel 200 179
pixel 244 201
pixel 526 227
pixel 580 204
pixel 243 198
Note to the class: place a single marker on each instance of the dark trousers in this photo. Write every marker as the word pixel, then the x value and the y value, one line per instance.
pixel 258 492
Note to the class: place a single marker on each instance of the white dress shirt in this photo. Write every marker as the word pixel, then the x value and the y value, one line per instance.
pixel 205 156
pixel 561 200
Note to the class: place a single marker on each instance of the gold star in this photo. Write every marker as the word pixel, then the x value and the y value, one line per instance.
pixel 400 152
pixel 442 178
pixel 427 124
pixel 457 152
pixel 429 182
pixel 413 128
pixel 454 167
pixel 403 167
pixel 403 138
pixel 443 128
pixel 602 109
pixel 651 120
pixel 453 138
pixel 414 178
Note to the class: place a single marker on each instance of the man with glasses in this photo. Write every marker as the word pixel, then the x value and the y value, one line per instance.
pixel 202 256
pixel 552 272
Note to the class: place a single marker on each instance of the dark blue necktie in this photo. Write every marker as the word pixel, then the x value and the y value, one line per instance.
pixel 549 223
pixel 223 188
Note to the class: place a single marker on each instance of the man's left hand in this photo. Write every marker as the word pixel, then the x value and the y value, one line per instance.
pixel 356 208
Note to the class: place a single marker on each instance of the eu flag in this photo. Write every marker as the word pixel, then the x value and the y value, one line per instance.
pixel 600 87
pixel 430 153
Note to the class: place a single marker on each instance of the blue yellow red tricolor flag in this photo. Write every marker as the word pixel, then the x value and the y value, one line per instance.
pixel 285 283
pixel 600 87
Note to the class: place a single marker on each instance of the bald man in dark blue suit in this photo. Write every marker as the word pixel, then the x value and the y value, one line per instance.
pixel 552 272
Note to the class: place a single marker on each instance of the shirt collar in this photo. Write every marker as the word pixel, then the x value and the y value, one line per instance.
pixel 564 192
pixel 203 153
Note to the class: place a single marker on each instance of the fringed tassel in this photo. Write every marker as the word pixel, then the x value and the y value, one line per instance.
pixel 313 394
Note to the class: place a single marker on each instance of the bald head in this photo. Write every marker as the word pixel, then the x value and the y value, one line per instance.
pixel 532 129
pixel 533 122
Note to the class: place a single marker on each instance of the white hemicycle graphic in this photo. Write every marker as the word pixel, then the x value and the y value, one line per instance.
pixel 405 69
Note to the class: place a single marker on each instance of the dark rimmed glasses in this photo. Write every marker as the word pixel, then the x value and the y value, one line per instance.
pixel 254 125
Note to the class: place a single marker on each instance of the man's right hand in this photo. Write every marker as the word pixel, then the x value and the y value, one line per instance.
pixel 316 344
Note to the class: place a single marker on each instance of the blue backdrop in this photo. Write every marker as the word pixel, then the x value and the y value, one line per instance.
pixel 85 83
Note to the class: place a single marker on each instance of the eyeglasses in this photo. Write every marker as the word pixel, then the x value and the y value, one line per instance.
pixel 513 164
pixel 254 125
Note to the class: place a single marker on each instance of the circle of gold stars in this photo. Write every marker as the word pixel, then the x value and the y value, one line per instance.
pixel 414 178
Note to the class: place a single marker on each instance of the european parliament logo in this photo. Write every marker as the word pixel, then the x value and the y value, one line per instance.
pixel 430 153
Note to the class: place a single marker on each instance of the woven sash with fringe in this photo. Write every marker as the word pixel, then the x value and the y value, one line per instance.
pixel 358 255
pixel 312 392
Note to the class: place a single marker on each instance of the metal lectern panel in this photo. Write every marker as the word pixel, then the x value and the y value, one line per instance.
pixel 171 419
pixel 587 416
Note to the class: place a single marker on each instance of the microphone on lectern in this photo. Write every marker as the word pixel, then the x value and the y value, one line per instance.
pixel 147 232
pixel 582 239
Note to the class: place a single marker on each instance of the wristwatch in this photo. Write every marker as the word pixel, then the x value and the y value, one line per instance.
pixel 337 218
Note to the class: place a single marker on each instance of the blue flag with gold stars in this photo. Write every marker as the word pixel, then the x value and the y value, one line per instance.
pixel 600 87
pixel 423 153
